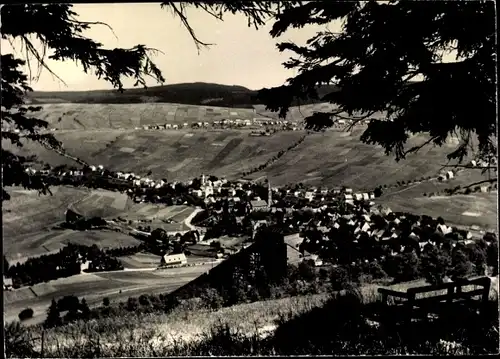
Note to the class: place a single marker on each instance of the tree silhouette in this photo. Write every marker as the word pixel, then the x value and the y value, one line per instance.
pixel 388 61
pixel 57 28
pixel 53 316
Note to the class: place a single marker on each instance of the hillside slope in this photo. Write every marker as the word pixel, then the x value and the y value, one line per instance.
pixel 69 116
pixel 187 93
pixel 333 158
pixel 198 93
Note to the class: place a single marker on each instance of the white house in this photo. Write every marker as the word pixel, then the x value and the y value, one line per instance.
pixel 309 196
pixel 366 196
pixel 484 189
pixel 84 266
pixel 7 283
pixel 449 175
pixel 175 127
pixel 208 191
pixel 168 125
pixel 173 259
pixel 348 197
pixel 473 163
pixel 93 168
pixel 348 190
pixel 444 229
pixel 358 196
pixel 186 124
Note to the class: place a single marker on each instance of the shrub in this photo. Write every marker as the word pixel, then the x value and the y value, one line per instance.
pixel 132 304
pixel 18 343
pixel 307 271
pixel 339 278
pixel 407 267
pixel 25 314
pixel 461 267
pixel 144 300
pixel 212 298
pixel 434 265
pixel 68 302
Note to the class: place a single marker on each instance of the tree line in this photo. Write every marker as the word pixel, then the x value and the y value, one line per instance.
pixel 65 263
pixel 274 158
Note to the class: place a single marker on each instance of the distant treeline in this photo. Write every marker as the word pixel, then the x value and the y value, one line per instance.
pixel 65 263
pixel 189 93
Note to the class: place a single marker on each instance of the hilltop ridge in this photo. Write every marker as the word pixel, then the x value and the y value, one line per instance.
pixel 197 93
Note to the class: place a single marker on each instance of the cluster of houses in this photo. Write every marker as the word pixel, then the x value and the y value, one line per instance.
pixel 379 224
pixel 172 126
pixel 224 123
pixel 482 163
pixel 323 194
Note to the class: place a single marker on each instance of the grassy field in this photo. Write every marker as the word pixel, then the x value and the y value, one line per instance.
pixel 20 248
pixel 476 209
pixel 140 260
pixel 28 212
pixel 298 113
pixel 332 158
pixel 473 209
pixel 102 203
pixel 28 220
pixel 188 323
pixel 66 116
pixel 117 286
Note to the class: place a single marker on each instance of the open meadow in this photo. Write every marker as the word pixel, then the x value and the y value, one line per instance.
pixel 476 208
pixel 332 158
pixel 187 324
pixel 28 220
pixel 69 116
pixel 29 212
pixel 479 209
pixel 117 286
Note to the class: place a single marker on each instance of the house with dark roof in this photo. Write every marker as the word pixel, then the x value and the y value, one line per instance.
pixel 258 205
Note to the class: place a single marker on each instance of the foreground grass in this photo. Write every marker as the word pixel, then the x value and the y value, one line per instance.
pixel 187 324
pixel 293 325
pixel 286 326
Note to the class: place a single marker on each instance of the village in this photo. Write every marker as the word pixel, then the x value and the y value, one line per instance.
pixel 322 226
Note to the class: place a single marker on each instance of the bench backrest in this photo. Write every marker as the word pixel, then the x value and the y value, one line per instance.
pixel 454 291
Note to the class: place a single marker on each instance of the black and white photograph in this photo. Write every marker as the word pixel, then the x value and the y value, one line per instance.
pixel 249 178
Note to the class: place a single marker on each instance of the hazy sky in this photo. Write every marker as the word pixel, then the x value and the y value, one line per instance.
pixel 241 55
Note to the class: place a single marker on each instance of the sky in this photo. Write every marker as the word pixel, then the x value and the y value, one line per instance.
pixel 240 55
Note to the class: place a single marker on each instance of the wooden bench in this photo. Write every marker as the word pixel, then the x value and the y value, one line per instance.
pixel 410 304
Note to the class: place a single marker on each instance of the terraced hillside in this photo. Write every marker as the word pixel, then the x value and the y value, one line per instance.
pixel 69 116
pixel 332 158
pixel 28 220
